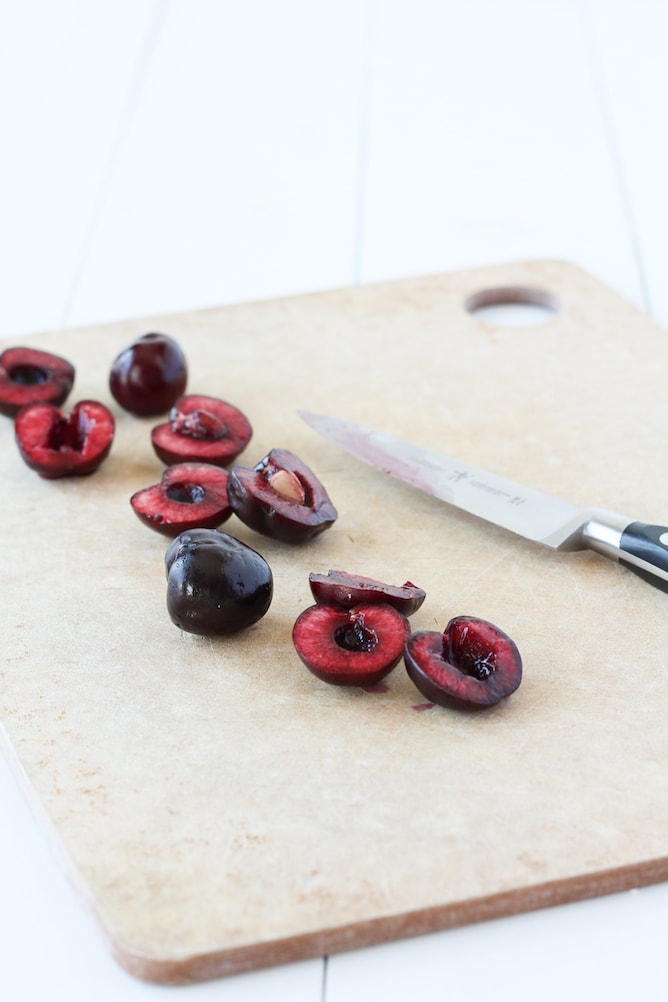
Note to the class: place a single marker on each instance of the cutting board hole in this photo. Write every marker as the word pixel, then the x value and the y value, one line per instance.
pixel 513 306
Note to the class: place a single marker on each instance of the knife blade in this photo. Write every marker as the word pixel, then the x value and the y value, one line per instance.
pixel 640 546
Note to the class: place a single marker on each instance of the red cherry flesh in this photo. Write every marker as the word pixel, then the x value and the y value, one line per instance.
pixel 281 497
pixel 471 665
pixel 357 646
pixel 29 376
pixel 57 445
pixel 189 496
pixel 202 429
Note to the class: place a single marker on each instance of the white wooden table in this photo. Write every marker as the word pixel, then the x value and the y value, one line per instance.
pixel 163 155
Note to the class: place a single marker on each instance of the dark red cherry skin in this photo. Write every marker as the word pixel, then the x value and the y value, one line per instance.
pixel 357 646
pixel 30 376
pixel 342 588
pixel 149 375
pixel 55 444
pixel 281 498
pixel 189 496
pixel 202 429
pixel 216 585
pixel 471 665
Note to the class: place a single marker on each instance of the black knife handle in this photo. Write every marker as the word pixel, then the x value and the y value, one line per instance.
pixel 644 550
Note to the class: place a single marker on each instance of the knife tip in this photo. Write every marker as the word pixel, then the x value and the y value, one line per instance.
pixel 309 416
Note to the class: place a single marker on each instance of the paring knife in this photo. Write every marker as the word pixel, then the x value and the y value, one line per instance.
pixel 641 547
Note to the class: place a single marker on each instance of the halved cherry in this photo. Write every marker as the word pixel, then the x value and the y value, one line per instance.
pixel 29 376
pixel 57 445
pixel 202 429
pixel 281 497
pixel 357 646
pixel 189 496
pixel 471 665
pixel 342 588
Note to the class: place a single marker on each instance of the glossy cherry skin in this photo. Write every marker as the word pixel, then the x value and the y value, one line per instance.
pixel 30 376
pixel 281 497
pixel 471 665
pixel 216 585
pixel 58 445
pixel 342 588
pixel 149 375
pixel 357 646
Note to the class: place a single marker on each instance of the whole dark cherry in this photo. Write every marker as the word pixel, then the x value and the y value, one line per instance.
pixel 201 429
pixel 148 376
pixel 30 376
pixel 216 584
pixel 471 665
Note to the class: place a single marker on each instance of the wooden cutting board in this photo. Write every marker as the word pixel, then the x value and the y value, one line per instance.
pixel 220 808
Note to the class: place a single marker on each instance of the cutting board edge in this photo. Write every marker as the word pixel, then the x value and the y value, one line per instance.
pixel 227 962
pixel 389 928
pixel 509 272
pixel 222 961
